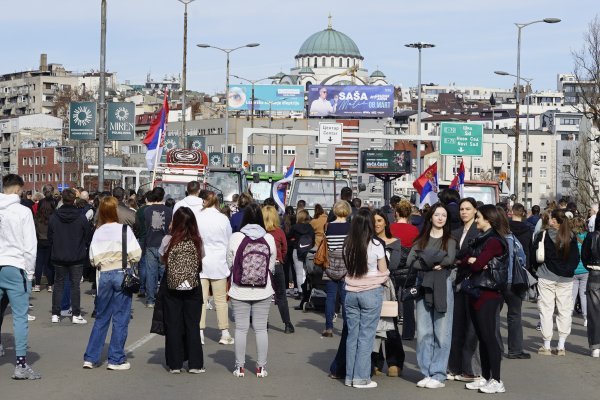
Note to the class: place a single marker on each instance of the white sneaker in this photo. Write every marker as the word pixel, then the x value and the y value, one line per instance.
pixel 202 336
pixel 450 376
pixel 585 322
pixel 36 288
pixel 226 339
pixel 88 365
pixel 476 385
pixel 369 385
pixel 78 319
pixel 261 372
pixel 423 382
pixel 596 353
pixel 434 384
pixel 209 305
pixel 238 372
pixel 197 370
pixel 175 371
pixel 55 319
pixel 493 386
pixel 119 367
pixel 66 313
pixel 30 317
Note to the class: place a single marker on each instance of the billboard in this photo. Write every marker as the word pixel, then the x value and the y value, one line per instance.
pixel 274 97
pixel 82 120
pixel 351 101
pixel 385 162
pixel 121 121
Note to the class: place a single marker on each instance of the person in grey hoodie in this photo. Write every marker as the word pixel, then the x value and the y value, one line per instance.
pixel 251 301
pixel 17 266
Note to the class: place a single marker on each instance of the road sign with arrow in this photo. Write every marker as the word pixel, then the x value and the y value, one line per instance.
pixel 330 133
pixel 461 139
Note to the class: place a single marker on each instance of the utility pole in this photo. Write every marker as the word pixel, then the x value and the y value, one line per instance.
pixel 101 98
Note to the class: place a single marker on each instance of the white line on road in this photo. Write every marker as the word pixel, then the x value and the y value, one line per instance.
pixel 140 342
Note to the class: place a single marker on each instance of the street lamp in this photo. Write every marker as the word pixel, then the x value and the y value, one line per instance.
pixel 528 81
pixel 184 80
pixel 101 97
pixel 419 46
pixel 226 51
pixel 62 163
pixel 520 26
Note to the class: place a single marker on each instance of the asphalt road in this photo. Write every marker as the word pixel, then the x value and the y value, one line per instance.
pixel 297 364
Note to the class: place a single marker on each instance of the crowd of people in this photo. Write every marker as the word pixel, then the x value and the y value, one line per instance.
pixel 446 271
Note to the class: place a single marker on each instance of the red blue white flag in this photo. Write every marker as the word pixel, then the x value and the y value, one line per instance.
pixel 155 138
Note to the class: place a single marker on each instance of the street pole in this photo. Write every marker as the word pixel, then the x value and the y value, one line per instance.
pixel 101 98
pixel 62 166
pixel 184 76
pixel 526 190
pixel 517 118
pixel 419 46
pixel 270 136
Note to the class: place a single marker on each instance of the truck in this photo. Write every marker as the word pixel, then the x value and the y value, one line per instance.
pixel 317 186
pixel 260 184
pixel 185 165
pixel 487 192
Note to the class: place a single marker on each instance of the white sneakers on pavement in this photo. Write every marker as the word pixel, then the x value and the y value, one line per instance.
pixel 55 319
pixel 423 382
pixel 119 367
pixel 434 384
pixel 493 386
pixel 78 319
pixel 596 353
pixel 369 385
pixel 226 337
pixel 476 385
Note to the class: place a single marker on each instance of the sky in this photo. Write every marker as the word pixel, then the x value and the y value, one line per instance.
pixel 473 38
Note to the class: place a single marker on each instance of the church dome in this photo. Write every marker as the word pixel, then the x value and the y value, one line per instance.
pixel 329 42
pixel 377 74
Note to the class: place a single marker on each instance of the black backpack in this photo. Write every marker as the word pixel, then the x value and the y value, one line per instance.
pixel 303 245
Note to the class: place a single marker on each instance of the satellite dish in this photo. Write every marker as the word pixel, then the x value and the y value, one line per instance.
pixel 215 99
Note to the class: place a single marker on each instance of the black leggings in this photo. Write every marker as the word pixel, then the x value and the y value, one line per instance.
pixel 485 323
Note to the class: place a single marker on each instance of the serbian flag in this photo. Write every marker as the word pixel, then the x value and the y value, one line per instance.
pixel 458 183
pixel 280 187
pixel 155 138
pixel 427 186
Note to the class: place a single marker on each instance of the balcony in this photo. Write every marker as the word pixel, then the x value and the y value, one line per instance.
pixel 49 91
pixel 46 103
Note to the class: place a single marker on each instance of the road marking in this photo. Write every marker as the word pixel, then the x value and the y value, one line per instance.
pixel 140 342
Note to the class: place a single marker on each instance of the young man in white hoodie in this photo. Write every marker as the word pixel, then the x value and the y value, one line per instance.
pixel 18 249
pixel 192 201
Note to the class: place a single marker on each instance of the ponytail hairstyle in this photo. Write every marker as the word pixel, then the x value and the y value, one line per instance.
pixel 565 234
pixel 184 227
pixel 362 230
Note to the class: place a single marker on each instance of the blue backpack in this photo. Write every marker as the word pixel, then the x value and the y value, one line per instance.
pixel 517 262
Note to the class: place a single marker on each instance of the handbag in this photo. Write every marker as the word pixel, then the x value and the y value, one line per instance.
pixel 412 292
pixel 131 282
pixel 540 255
pixel 322 254
pixel 468 286
pixel 389 309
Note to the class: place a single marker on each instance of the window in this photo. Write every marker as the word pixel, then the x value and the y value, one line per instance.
pixel 529 188
pixel 30 161
pixel 528 157
pixel 566 153
pixel 44 160
pixel 566 183
pixel 372 179
pixel 30 177
pixel 570 121
pixel 347 63
pixel 251 149
pixel 476 170
pixel 24 161
pixel 317 152
pixel 566 169
pixel 497 156
pixel 73 176
pixel 230 148
pixel 543 157
pixel 340 63
pixel 332 62
pixel 542 172
pixel 289 150
pixel 210 148
pixel 315 63
pixel 56 177
pixel 37 177
pixel 528 170
pixel 43 177
pixel 323 62
pixel 266 149
pixel 497 171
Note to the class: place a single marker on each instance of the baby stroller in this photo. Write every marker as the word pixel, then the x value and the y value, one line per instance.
pixel 315 284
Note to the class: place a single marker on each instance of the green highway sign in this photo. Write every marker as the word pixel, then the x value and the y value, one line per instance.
pixel 461 139
pixel 82 120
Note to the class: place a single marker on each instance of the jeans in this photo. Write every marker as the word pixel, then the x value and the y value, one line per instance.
pixel 43 266
pixel 65 302
pixel 15 286
pixel 464 353
pixel 74 272
pixel 363 311
pixel 280 293
pixel 154 271
pixel 513 320
pixel 560 294
pixel 579 285
pixel 259 310
pixel 434 337
pixel 112 303
pixel 333 288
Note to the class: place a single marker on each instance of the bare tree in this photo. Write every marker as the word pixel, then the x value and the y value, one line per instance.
pixel 587 76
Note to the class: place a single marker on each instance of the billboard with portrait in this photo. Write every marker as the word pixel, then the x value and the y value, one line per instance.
pixel 385 162
pixel 274 97
pixel 351 101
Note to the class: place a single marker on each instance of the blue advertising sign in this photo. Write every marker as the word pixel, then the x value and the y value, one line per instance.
pixel 351 101
pixel 274 97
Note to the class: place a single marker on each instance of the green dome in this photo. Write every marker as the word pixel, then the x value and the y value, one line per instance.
pixel 329 42
pixel 306 71
pixel 377 74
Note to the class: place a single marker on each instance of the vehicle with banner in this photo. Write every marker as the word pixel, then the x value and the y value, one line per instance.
pixel 260 184
pixel 351 101
pixel 487 192
pixel 317 186
pixel 185 165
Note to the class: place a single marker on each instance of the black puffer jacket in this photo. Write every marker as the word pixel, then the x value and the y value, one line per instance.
pixel 495 277
pixel 590 249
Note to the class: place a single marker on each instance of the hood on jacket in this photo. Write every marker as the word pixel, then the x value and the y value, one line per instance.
pixel 7 200
pixel 253 231
pixel 520 228
pixel 68 213
pixel 193 201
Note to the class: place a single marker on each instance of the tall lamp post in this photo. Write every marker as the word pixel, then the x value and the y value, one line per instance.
pixel 528 81
pixel 184 79
pixel 520 27
pixel 227 51
pixel 101 98
pixel 419 46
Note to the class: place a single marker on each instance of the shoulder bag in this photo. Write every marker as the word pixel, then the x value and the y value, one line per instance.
pixel 414 291
pixel 389 308
pixel 131 282
pixel 540 254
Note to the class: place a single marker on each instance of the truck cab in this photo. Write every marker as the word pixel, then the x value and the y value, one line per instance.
pixel 317 186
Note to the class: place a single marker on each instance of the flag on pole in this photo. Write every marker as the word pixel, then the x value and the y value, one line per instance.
pixel 427 186
pixel 155 138
pixel 458 183
pixel 281 185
